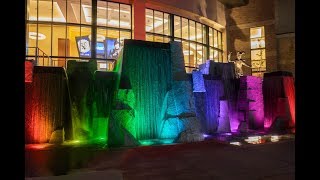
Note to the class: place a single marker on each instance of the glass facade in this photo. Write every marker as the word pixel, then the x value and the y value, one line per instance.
pixel 215 44
pixel 258 51
pixel 63 30
pixel 157 26
pixel 200 42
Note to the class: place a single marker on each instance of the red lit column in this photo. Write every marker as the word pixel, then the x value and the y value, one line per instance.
pixel 139 13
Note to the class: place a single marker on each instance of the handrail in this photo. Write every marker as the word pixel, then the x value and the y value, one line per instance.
pixel 40 55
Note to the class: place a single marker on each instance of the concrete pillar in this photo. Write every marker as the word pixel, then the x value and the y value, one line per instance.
pixel 139 13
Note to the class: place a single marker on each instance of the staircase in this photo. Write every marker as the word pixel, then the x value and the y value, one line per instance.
pixel 38 57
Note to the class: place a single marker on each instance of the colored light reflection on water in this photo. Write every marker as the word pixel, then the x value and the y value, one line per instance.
pixel 275 138
pixel 75 142
pixel 205 135
pixel 146 142
pixel 227 134
pixel 254 140
pixel 150 142
pixel 38 146
pixel 236 143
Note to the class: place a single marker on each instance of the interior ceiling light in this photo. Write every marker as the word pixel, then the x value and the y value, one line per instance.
pixel 33 35
pixel 100 38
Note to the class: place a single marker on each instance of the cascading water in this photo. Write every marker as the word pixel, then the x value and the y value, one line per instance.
pixel 47 106
pixel 92 96
pixel 231 88
pixel 148 68
pixel 81 87
pixel 278 93
pixel 214 92
pixel 289 88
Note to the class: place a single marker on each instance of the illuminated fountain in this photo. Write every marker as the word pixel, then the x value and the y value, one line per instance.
pixel 150 99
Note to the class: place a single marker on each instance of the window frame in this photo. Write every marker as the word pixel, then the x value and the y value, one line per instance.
pixel 94 27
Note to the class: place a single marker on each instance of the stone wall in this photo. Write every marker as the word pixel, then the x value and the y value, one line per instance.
pixel 277 17
pixel 239 21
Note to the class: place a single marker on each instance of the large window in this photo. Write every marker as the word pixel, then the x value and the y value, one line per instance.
pixel 63 30
pixel 215 44
pixel 198 44
pixel 258 51
pixel 193 38
pixel 157 26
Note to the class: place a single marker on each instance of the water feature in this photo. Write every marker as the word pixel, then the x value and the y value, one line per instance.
pixel 147 96
pixel 47 105
pixel 148 68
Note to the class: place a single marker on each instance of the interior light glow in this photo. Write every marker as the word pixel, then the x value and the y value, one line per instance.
pixel 33 35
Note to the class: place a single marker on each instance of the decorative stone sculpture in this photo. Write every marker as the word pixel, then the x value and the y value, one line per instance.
pixel 229 56
pixel 239 62
pixel 198 82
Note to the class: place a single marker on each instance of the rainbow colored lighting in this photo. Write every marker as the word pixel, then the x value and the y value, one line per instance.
pixel 92 106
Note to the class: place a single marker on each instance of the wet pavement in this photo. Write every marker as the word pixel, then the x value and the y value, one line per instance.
pixel 210 159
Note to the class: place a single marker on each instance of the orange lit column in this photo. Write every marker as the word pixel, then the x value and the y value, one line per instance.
pixel 139 13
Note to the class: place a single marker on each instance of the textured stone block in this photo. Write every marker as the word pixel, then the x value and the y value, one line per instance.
pixel 170 128
pixel 189 136
pixel 204 68
pixel 125 99
pixel 179 100
pixel 125 118
pixel 177 58
pixel 250 100
pixel 57 137
pixel 224 122
pixel 118 135
pixel 243 127
pixel 198 82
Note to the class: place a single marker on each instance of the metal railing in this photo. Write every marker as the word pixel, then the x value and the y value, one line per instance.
pixel 40 58
pixel 37 55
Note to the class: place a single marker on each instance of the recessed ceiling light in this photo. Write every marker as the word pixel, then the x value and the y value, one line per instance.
pixel 33 35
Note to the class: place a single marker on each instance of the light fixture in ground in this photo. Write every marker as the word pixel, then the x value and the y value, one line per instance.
pixel 236 143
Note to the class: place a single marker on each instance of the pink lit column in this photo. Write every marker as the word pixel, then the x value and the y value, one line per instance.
pixel 139 13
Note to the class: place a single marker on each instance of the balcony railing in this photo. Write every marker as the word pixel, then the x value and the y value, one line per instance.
pixel 40 58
